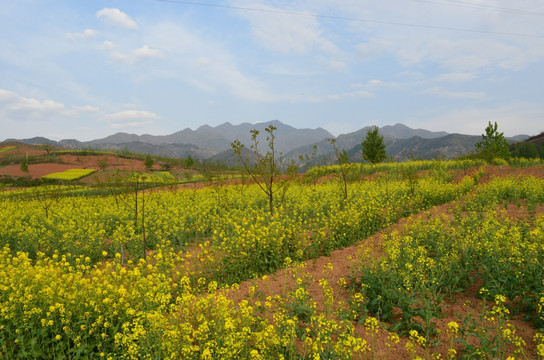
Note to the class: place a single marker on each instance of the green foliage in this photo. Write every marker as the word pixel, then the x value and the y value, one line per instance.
pixel 373 146
pixel 102 163
pixel 524 150
pixel 433 258
pixel 493 144
pixel 7 148
pixel 345 167
pixel 189 162
pixel 83 152
pixel 24 165
pixel 266 169
pixel 148 162
pixel 74 283
pixel 47 148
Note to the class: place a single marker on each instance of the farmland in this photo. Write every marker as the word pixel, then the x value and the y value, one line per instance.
pixel 422 259
pixel 70 174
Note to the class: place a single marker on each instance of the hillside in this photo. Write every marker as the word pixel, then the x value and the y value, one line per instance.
pixel 446 147
pixel 207 140
pixel 104 165
pixel 213 143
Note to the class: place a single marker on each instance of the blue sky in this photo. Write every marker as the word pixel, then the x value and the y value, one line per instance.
pixel 88 69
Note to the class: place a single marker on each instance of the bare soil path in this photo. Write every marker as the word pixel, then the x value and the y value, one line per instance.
pixel 344 263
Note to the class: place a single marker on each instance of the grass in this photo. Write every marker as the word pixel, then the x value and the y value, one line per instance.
pixel 70 174
pixel 83 152
pixel 165 174
pixel 7 148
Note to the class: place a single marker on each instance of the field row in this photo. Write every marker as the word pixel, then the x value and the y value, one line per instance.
pixel 153 274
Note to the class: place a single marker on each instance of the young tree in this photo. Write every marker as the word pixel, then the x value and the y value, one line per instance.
pixel 493 144
pixel 373 146
pixel 189 162
pixel 102 163
pixel 345 167
pixel 128 190
pixel 524 150
pixel 47 196
pixel 265 169
pixel 148 162
pixel 24 165
pixel 47 148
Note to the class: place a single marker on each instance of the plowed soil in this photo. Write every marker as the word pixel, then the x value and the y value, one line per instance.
pixel 344 264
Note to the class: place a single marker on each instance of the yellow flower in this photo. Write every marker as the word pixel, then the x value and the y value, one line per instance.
pixel 453 327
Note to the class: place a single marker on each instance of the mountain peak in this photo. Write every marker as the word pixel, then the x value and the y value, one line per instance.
pixel 204 127
pixel 401 131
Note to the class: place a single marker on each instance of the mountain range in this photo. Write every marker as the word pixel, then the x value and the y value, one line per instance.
pixel 214 143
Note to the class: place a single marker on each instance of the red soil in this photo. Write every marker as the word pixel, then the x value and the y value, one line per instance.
pixel 65 162
pixel 344 264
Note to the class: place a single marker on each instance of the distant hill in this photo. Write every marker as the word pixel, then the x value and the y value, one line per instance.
pixel 538 139
pixel 213 143
pixel 400 131
pixel 218 139
pixel 38 140
pixel 401 143
pixel 447 147
pixel 166 150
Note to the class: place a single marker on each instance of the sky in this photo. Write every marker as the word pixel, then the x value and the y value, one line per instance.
pixel 88 69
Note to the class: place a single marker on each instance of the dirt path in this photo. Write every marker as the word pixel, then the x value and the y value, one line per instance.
pixel 344 263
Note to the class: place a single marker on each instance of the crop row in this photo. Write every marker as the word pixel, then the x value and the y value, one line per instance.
pixel 76 279
pixel 70 174
pixel 478 244
pixel 238 238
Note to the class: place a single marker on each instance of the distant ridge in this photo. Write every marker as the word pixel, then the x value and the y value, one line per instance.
pixel 213 143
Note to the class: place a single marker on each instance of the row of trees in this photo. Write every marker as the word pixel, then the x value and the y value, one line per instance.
pixel 494 145
pixel 271 173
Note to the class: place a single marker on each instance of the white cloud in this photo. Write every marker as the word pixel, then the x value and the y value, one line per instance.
pixel 131 124
pixel 455 77
pixel 334 97
pixel 136 55
pixel 455 95
pixel 126 115
pixel 117 17
pixel 107 45
pixel 362 93
pixel 413 75
pixel 86 108
pixel 460 51
pixel 118 56
pixel 372 49
pixel 130 119
pixel 86 34
pixel 204 63
pixel 15 105
pixel 338 65
pixel 6 95
pixel 285 34
pixel 514 119
pixel 375 83
pixel 20 108
pixel 146 51
pixel 240 85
